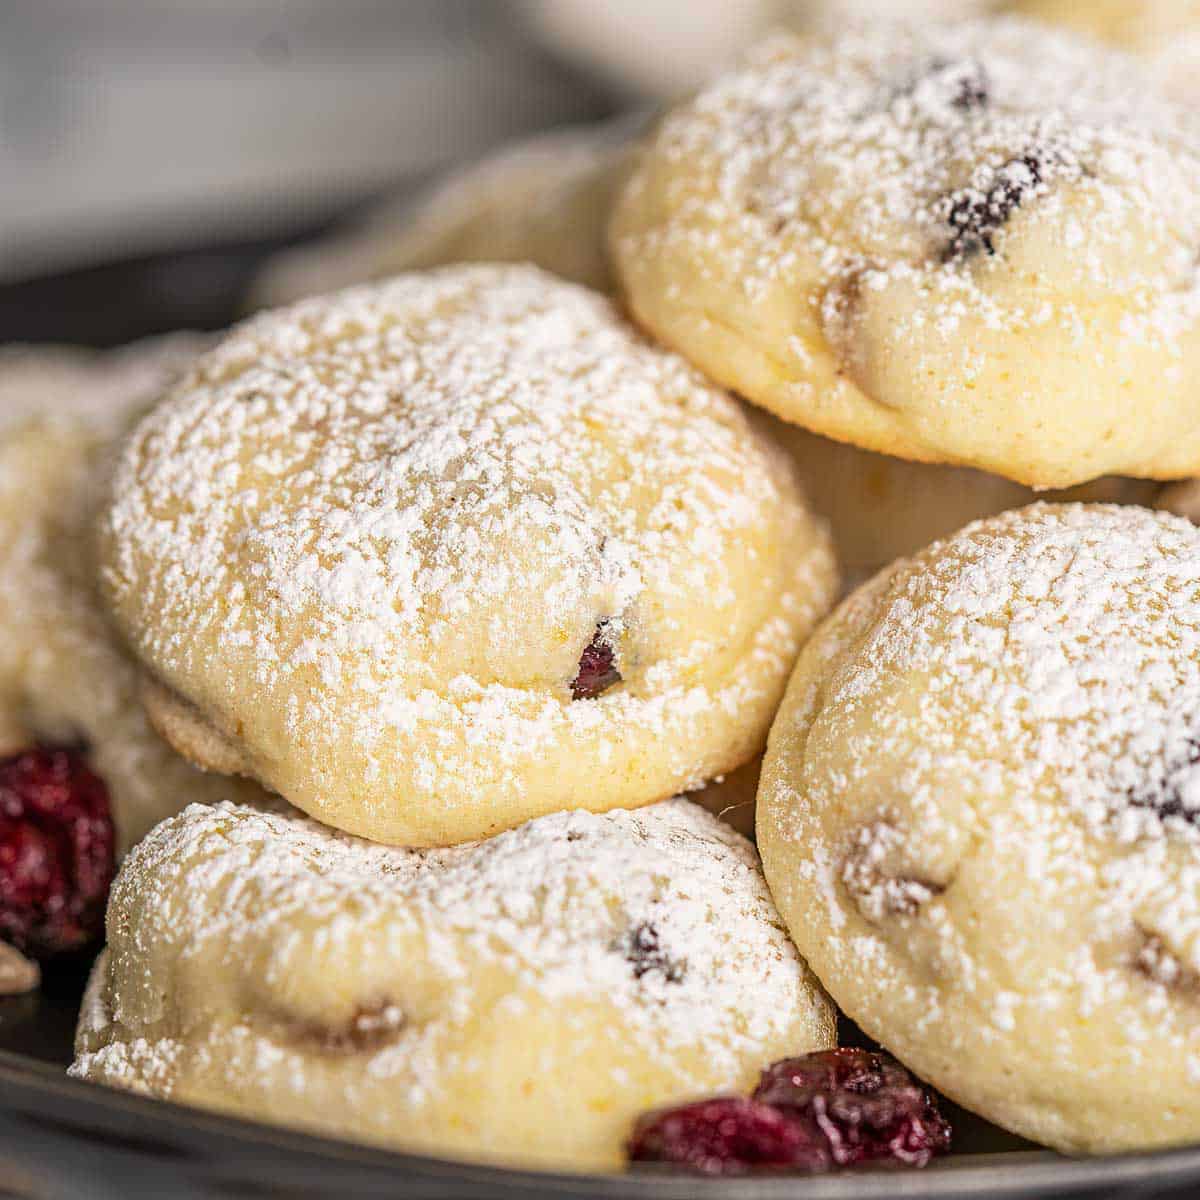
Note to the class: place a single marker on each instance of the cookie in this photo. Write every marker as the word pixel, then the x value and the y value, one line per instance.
pixel 520 1000
pixel 976 244
pixel 438 556
pixel 881 508
pixel 64 679
pixel 980 818
pixel 545 200
pixel 1166 32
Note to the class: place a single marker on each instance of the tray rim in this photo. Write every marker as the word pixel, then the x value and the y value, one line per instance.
pixel 42 1096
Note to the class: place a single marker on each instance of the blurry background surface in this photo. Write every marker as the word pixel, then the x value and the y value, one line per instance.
pixel 133 126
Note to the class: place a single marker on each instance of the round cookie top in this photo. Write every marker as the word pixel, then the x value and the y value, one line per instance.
pixel 523 997
pixel 982 799
pixel 424 556
pixel 875 234
pixel 1084 619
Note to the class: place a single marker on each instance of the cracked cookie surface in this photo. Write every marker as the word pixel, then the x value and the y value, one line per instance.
pixel 521 999
pixel 977 816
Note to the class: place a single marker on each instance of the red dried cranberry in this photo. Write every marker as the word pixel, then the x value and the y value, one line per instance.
pixel 645 953
pixel 820 1112
pixel 1164 795
pixel 864 1104
pixel 727 1136
pixel 597 667
pixel 57 851
pixel 976 215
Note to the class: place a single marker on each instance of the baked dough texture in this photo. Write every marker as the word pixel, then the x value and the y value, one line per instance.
pixel 973 244
pixel 881 508
pixel 980 818
pixel 545 200
pixel 63 675
pixel 1166 32
pixel 374 548
pixel 519 1000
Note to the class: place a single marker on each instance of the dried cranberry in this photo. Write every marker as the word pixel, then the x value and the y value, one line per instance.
pixel 597 667
pixel 974 215
pixel 726 1136
pixel 864 1104
pixel 972 88
pixel 57 851
pixel 831 1109
pixel 643 950
pixel 1165 795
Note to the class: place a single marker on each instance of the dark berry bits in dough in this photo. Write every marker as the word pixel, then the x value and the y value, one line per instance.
pixel 870 877
pixel 372 1027
pixel 1165 796
pixel 644 951
pixel 961 84
pixel 1158 964
pixel 597 666
pixel 974 215
pixel 965 81
pixel 971 86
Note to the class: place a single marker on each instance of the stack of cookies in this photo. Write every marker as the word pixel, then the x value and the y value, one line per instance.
pixel 473 571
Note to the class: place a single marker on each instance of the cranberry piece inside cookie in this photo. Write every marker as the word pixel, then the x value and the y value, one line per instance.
pixel 976 214
pixel 597 667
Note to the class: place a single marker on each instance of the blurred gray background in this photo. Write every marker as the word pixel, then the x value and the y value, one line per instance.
pixel 129 127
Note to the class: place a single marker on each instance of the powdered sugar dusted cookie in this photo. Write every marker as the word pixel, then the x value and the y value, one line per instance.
pixel 435 557
pixel 520 999
pixel 976 244
pixel 545 200
pixel 63 676
pixel 980 818
pixel 1166 32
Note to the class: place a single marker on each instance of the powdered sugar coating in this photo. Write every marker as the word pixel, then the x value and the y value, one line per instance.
pixel 978 817
pixel 527 996
pixel 63 675
pixel 872 235
pixel 370 537
pixel 1167 32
